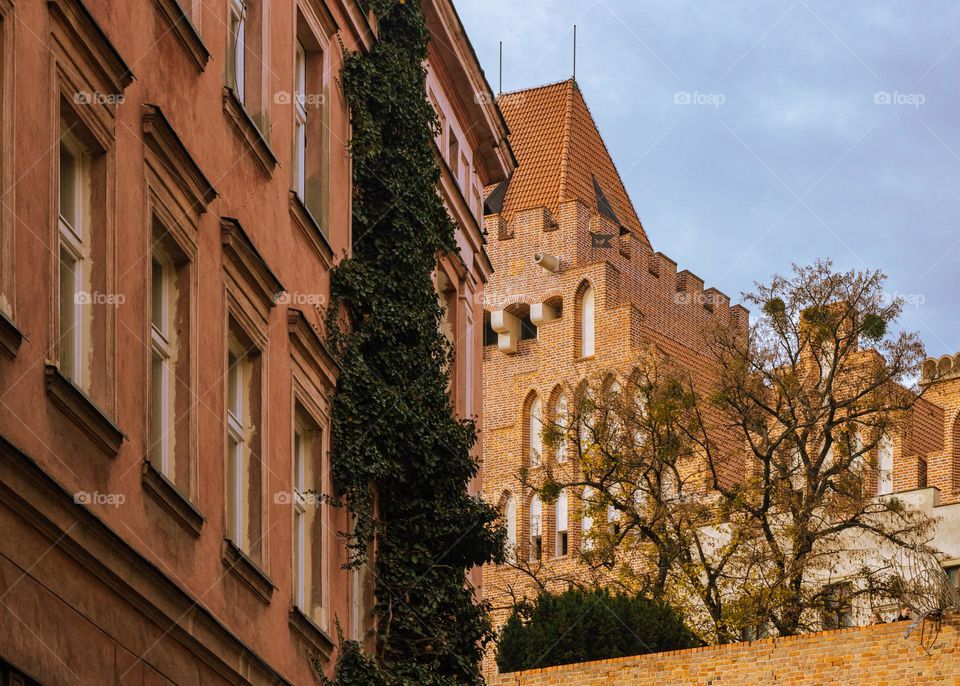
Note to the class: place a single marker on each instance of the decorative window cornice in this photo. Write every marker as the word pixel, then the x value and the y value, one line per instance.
pixel 307 343
pixel 315 637
pixel 164 144
pixel 184 31
pixel 247 270
pixel 82 38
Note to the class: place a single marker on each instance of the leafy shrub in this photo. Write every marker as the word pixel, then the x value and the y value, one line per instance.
pixel 583 625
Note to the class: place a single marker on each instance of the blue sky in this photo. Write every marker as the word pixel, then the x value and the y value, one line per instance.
pixel 751 135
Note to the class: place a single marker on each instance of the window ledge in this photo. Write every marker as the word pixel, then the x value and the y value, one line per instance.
pixel 313 635
pixel 310 228
pixel 169 497
pixel 247 571
pixel 78 406
pixel 10 336
pixel 185 32
pixel 249 132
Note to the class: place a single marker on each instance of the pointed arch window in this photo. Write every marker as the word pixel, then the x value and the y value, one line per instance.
pixel 510 517
pixel 535 431
pixel 586 519
pixel 587 322
pixel 562 418
pixel 561 520
pixel 536 529
pixel 885 466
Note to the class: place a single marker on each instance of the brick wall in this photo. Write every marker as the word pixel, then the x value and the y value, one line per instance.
pixel 873 655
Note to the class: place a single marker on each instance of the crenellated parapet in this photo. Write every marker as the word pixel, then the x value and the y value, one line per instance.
pixel 940 368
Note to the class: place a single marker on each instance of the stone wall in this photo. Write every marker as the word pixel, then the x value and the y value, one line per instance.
pixel 873 655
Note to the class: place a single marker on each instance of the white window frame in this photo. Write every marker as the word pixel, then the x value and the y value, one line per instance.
pixel 237 27
pixel 237 421
pixel 586 520
pixel 536 529
pixel 510 515
pixel 587 322
pixel 562 519
pixel 885 466
pixel 562 417
pixel 301 444
pixel 536 431
pixel 300 122
pixel 162 346
pixel 74 241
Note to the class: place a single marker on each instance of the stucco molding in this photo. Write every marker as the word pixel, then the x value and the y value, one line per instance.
pixel 249 133
pixel 164 143
pixel 10 336
pixel 169 497
pixel 246 571
pixel 185 32
pixel 81 37
pixel 307 343
pixel 74 530
pixel 82 411
pixel 315 637
pixel 245 266
pixel 304 220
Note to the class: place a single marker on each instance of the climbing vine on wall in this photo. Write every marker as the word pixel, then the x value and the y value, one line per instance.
pixel 401 458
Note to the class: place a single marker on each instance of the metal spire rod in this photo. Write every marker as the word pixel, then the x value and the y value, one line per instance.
pixel 574 52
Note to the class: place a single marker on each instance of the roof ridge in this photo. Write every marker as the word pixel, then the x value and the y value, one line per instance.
pixel 566 137
pixel 534 88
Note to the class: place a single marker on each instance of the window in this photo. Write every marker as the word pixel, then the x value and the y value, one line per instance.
pixel 310 116
pixel 837 612
pixel 74 272
pixel 242 455
pixel 885 466
pixel 237 48
pixel 163 343
pixel 307 517
pixel 587 322
pixel 300 121
pixel 453 156
pixel 586 519
pixel 613 513
pixel 490 337
pixel 535 432
pixel 561 519
pixel 562 419
pixel 510 515
pixel 952 570
pixel 536 529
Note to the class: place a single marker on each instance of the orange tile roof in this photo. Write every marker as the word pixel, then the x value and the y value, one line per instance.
pixel 559 151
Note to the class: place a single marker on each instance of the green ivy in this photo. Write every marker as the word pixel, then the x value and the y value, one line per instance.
pixel 401 458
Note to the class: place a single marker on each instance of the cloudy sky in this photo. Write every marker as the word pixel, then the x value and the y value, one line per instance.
pixel 754 134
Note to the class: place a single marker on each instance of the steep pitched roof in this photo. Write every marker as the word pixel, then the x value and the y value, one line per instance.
pixel 561 156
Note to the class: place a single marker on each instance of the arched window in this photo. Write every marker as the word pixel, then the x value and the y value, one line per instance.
pixel 587 329
pixel 613 514
pixel 561 519
pixel 885 466
pixel 510 517
pixel 586 519
pixel 536 529
pixel 535 431
pixel 561 416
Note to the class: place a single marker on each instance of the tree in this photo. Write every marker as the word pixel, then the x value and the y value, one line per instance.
pixel 583 625
pixel 746 495
pixel 401 459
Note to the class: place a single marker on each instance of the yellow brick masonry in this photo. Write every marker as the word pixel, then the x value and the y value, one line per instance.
pixel 876 655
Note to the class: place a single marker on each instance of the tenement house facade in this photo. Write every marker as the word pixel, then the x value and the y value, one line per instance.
pixel 176 186
pixel 578 291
